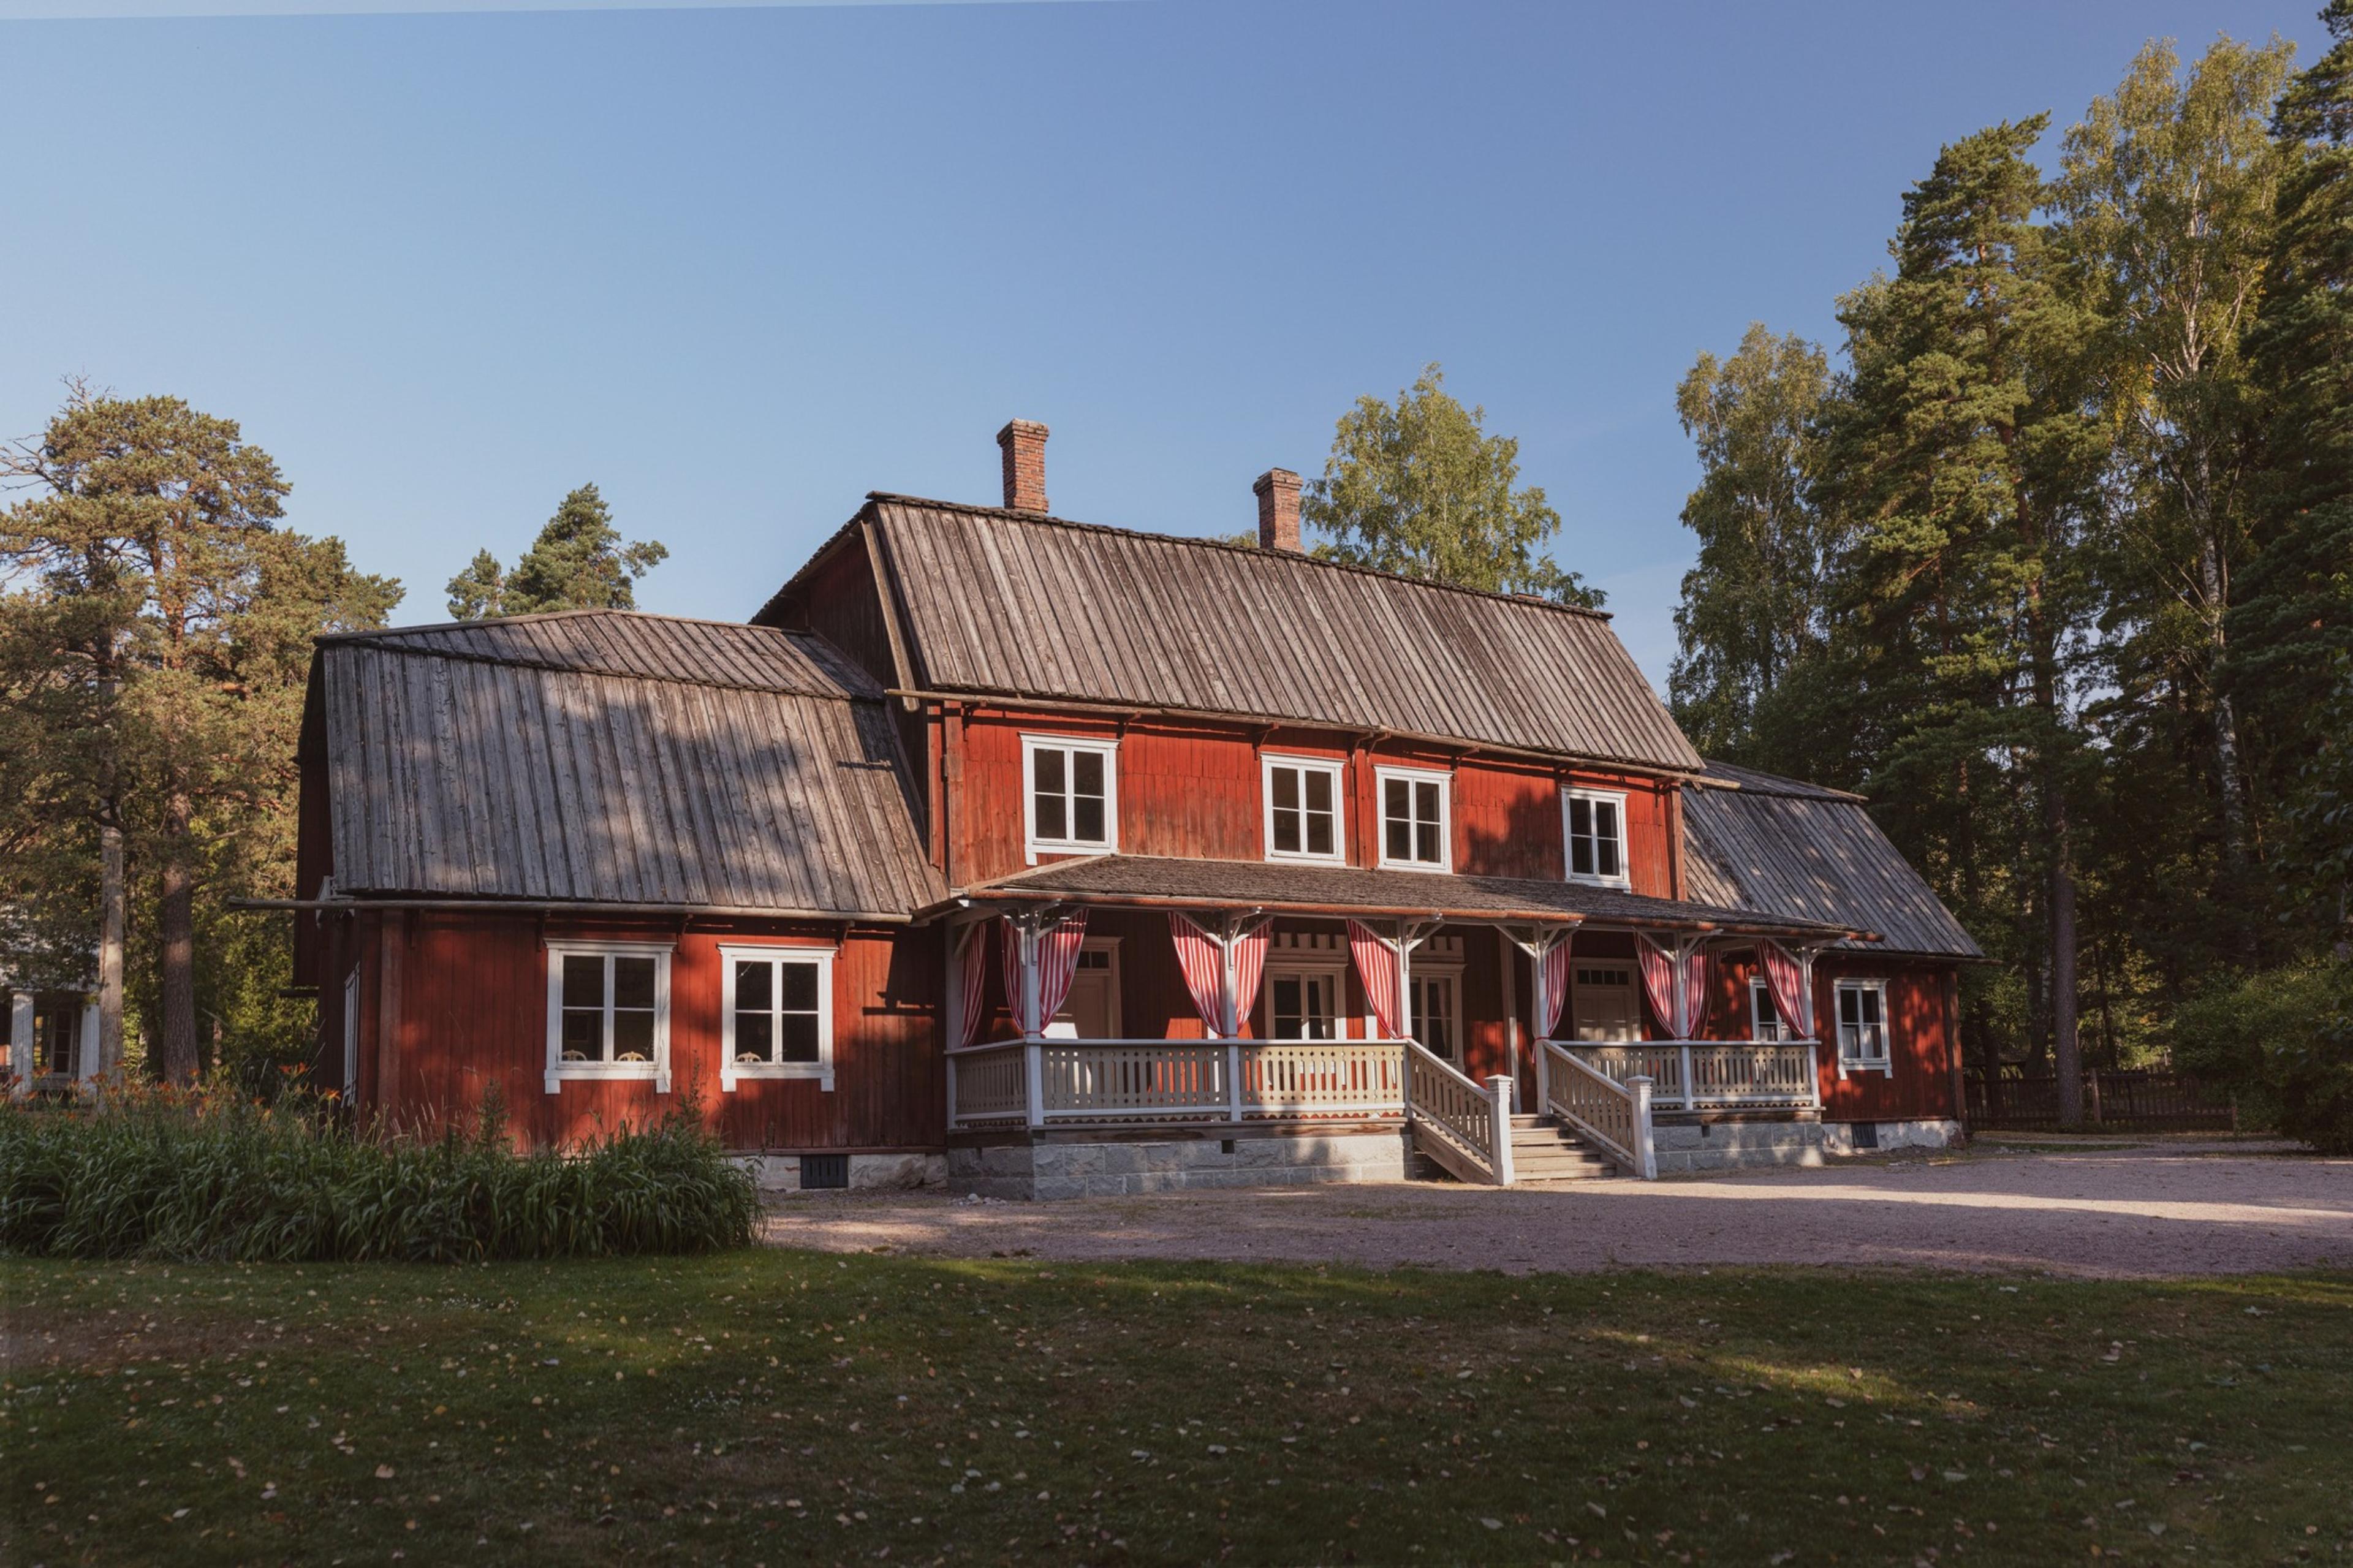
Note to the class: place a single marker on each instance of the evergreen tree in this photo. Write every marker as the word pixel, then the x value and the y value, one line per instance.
pixel 1752 608
pixel 1418 488
pixel 1961 460
pixel 2293 627
pixel 577 562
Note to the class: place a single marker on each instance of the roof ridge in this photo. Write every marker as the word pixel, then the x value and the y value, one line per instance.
pixel 606 669
pixel 1204 542
pixel 536 616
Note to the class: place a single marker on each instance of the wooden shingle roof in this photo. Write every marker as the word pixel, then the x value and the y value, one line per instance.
pixel 1019 605
pixel 617 757
pixel 1775 846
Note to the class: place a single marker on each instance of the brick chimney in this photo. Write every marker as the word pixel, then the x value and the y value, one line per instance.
pixel 1023 442
pixel 1278 510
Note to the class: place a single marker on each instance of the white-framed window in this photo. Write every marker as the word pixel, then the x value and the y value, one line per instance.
pixel 1416 833
pixel 608 1012
pixel 1593 822
pixel 1304 1003
pixel 1862 1027
pixel 1070 795
pixel 1764 1019
pixel 1091 1010
pixel 1304 813
pixel 776 1011
pixel 1438 1011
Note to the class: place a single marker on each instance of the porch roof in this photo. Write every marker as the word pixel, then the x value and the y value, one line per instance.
pixel 1158 881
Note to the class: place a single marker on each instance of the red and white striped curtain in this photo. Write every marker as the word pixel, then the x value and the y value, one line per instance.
pixel 1658 983
pixel 1057 950
pixel 1554 966
pixel 1376 965
pixel 1249 969
pixel 1202 957
pixel 1694 993
pixel 971 980
pixel 1792 997
pixel 1203 963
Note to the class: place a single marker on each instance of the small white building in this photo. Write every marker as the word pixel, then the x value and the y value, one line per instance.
pixel 48 1036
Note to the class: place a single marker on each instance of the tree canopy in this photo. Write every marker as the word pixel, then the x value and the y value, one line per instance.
pixel 577 562
pixel 1418 487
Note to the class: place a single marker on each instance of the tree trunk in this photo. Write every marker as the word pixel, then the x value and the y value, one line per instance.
pixel 176 918
pixel 2066 1056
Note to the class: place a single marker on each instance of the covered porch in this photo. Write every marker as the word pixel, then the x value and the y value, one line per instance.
pixel 1268 1016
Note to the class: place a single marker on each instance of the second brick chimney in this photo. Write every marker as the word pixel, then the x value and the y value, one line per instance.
pixel 1023 442
pixel 1278 510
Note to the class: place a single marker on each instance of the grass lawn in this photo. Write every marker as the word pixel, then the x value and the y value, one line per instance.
pixel 773 1407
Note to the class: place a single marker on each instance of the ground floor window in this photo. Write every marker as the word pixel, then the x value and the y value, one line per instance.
pixel 1862 1027
pixel 1437 1013
pixel 776 1017
pixel 1764 1019
pixel 608 1012
pixel 1303 1004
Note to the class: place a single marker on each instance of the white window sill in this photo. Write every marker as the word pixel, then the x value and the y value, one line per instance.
pixel 1300 858
pixel 1037 848
pixel 730 1073
pixel 608 1072
pixel 1862 1064
pixel 1585 879
pixel 1434 867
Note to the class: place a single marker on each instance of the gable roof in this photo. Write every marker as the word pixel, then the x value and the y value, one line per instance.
pixel 1758 842
pixel 617 757
pixel 1015 604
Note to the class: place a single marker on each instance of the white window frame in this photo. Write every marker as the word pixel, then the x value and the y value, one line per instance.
pixel 1055 1029
pixel 1331 767
pixel 1885 1061
pixel 559 1071
pixel 1032 845
pixel 1613 799
pixel 1306 968
pixel 1445 781
pixel 732 1072
pixel 1761 991
pixel 1450 973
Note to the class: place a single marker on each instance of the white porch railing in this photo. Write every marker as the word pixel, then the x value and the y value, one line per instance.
pixel 1036 1083
pixel 1714 1074
pixel 1462 1126
pixel 1616 1116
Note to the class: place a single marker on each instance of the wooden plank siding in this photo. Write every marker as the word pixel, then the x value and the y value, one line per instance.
pixel 453 1003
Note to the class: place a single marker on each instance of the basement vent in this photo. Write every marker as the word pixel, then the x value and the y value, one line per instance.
pixel 825 1171
pixel 1866 1134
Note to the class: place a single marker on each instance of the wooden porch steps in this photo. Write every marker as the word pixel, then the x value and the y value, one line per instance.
pixel 1544 1154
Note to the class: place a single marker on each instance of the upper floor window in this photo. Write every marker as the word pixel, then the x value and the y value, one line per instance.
pixel 1303 809
pixel 1415 833
pixel 1595 824
pixel 1862 1027
pixel 1072 792
pixel 608 1012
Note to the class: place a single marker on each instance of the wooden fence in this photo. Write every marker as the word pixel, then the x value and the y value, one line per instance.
pixel 2141 1101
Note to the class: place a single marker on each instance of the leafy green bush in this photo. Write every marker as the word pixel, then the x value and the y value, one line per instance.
pixel 2283 1041
pixel 211 1176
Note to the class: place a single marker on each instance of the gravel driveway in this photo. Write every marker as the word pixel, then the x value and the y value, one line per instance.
pixel 2143 1211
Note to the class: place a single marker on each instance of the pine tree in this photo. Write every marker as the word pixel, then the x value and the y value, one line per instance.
pixel 577 562
pixel 1418 488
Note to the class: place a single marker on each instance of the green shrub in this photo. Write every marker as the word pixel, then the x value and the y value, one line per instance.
pixel 216 1177
pixel 2282 1042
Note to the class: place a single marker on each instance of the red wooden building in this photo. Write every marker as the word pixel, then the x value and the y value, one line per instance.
pixel 1045 857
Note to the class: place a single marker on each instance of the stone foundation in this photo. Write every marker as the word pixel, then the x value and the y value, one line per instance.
pixel 1113 1167
pixel 1728 1145
pixel 1849 1138
pixel 778 1174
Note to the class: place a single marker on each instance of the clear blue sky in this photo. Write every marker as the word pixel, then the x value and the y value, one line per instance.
pixel 741 265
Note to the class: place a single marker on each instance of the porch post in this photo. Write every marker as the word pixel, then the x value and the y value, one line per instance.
pixel 1645 1150
pixel 1032 1025
pixel 1686 1079
pixel 1499 1099
pixel 1233 1081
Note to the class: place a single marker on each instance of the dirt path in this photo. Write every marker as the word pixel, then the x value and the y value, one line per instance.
pixel 2098 1211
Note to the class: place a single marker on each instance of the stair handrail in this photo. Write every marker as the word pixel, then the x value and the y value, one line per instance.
pixel 1616 1116
pixel 1474 1120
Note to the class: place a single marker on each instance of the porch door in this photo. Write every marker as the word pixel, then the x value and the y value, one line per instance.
pixel 1603 1004
pixel 1091 1012
pixel 1437 1014
pixel 1303 1004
